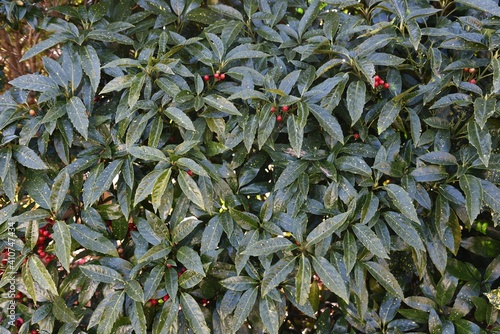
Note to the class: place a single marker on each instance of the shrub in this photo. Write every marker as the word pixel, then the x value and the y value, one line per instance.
pixel 264 166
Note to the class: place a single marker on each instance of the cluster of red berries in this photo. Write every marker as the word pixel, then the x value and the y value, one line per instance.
pixel 154 302
pixel 471 71
pixel 44 237
pixel 217 76
pixel 381 83
pixel 284 109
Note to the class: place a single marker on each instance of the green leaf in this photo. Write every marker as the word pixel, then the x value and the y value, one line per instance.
pixel 385 278
pixel 269 315
pixel 290 174
pixel 464 326
pixel 147 153
pixel 190 164
pixel 402 201
pixel 222 104
pixel 303 280
pixel 309 16
pixel 28 158
pixel 109 36
pixel 326 228
pixel 136 89
pixel 35 82
pixel 101 274
pixel 356 95
pixel 211 236
pixel 104 180
pixel 184 228
pixel 146 185
pixel 354 164
pixel 56 72
pixel 77 113
pixel 62 239
pixel 439 158
pixel 276 274
pixel 91 65
pixel 31 234
pixel 472 188
pixel 227 11
pixel 43 45
pixel 92 240
pixel 190 259
pixel 244 307
pixel 388 115
pixel 59 189
pixel 137 318
pixel 193 314
pixel 159 188
pixel 331 277
pixel 41 275
pixel 495 63
pixel 404 230
pixel 190 189
pixel 156 252
pixel 328 122
pixel 370 240
pixel 483 110
pixel 171 282
pixel 180 118
pixel 491 195
pixel 167 317
pixel 238 283
pixel 481 140
pixel 134 290
pixel 62 312
pixel 267 246
pixel 487 6
pixel 117 84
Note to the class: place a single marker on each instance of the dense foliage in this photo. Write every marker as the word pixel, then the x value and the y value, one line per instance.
pixel 255 166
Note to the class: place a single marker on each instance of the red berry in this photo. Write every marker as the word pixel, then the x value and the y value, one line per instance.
pixel 381 82
pixel 279 118
pixel 472 70
pixel 376 84
pixel 166 297
pixel 284 108
pixel 273 109
pixel 376 78
pixel 34 331
pixel 206 78
pixel 466 69
pixel 190 172
pixel 169 265
pixel 216 75
pixel 171 139
pixel 154 302
pixel 41 239
pixel 42 254
pixel 183 269
pixel 204 301
pixel 19 295
pixel 387 85
pixel 46 233
pixel 356 136
pixel 222 76
pixel 32 113
pixel 19 322
pixel 472 81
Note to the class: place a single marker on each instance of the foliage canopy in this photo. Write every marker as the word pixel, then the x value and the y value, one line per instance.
pixel 256 166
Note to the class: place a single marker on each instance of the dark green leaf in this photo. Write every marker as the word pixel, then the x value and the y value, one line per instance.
pixel 244 307
pixel 77 114
pixel 190 259
pixel 92 240
pixel 402 201
pixel 28 158
pixel 370 240
pixel 481 140
pixel 193 314
pixel 471 186
pixel 100 273
pixel 385 278
pixel 41 275
pixel 330 276
pixel 62 239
